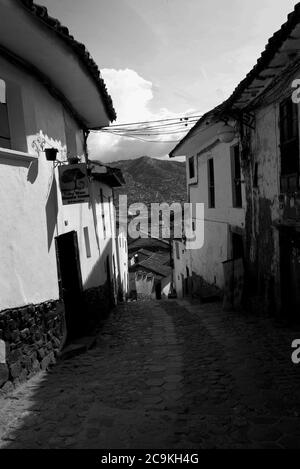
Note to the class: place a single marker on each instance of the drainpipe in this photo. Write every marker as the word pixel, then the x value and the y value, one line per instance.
pixel 86 134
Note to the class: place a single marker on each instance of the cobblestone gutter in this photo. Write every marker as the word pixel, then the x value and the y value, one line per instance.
pixel 30 340
pixel 98 302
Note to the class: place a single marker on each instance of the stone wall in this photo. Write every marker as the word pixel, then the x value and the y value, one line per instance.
pixel 30 339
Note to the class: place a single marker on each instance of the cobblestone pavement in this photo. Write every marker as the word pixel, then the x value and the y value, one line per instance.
pixel 165 375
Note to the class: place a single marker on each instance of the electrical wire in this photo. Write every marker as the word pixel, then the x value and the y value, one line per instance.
pixel 158 120
pixel 144 131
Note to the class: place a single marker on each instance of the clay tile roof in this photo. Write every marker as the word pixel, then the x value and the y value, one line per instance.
pixel 156 267
pixel 272 47
pixel 41 13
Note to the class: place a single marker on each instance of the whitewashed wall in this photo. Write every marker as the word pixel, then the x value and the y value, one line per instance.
pixel 207 261
pixel 123 261
pixel 180 266
pixel 31 210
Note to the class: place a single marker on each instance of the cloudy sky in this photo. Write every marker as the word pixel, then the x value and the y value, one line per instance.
pixel 166 58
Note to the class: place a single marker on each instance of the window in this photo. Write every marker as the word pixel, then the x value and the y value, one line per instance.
pixel 255 176
pixel 4 123
pixel 177 251
pixel 87 242
pixel 236 176
pixel 289 145
pixel 211 184
pixel 191 167
pixel 103 213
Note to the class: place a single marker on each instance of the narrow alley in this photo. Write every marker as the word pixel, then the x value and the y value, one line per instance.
pixel 165 375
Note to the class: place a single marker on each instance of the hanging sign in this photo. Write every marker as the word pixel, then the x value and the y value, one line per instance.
pixel 74 183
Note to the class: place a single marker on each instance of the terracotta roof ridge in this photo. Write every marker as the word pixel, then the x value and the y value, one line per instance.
pixel 274 43
pixel 41 13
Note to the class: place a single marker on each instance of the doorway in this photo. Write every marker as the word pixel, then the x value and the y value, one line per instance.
pixel 158 289
pixel 237 246
pixel 187 283
pixel 70 281
pixel 110 284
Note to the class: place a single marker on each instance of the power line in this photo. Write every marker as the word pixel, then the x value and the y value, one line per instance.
pixel 186 118
pixel 173 125
pixel 143 131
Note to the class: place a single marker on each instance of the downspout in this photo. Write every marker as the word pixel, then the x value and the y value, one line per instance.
pixel 86 134
pixel 250 235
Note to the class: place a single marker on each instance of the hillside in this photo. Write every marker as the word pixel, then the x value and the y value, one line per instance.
pixel 149 180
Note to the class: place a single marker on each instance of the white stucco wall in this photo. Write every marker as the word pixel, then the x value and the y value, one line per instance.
pixel 180 266
pixel 207 262
pixel 166 286
pixel 28 271
pixel 80 216
pixel 31 208
pixel 122 248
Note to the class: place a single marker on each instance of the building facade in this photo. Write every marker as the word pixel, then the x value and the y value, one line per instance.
pixel 182 270
pixel 214 178
pixel 123 278
pixel 56 259
pixel 260 216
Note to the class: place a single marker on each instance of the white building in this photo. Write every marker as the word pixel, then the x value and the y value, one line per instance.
pixel 214 178
pixel 182 269
pixel 123 278
pixel 51 95
pixel 250 185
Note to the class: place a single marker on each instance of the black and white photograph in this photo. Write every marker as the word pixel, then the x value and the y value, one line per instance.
pixel 150 228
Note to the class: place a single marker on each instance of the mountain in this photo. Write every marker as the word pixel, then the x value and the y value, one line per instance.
pixel 150 180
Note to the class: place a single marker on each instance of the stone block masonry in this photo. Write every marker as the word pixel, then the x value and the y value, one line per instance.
pixel 32 337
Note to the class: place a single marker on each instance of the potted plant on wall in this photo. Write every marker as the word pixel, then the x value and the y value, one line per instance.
pixel 51 154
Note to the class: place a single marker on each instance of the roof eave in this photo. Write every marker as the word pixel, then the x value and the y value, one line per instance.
pixel 40 13
pixel 275 43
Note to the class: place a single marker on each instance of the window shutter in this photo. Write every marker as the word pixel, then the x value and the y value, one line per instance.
pixel 16 117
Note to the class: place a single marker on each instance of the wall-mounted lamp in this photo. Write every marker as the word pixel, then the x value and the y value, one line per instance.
pixel 226 133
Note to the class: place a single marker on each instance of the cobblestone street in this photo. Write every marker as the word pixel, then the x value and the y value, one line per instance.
pixel 165 375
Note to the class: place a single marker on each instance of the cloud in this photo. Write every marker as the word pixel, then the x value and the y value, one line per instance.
pixel 132 97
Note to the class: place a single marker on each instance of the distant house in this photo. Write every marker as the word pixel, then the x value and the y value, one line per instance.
pixel 157 267
pixel 138 256
pixel 242 162
pixel 59 261
pixel 163 257
pixel 182 273
pixel 123 277
pixel 145 285
pixel 150 244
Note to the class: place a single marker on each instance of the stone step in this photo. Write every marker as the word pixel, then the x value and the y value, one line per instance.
pixel 78 347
